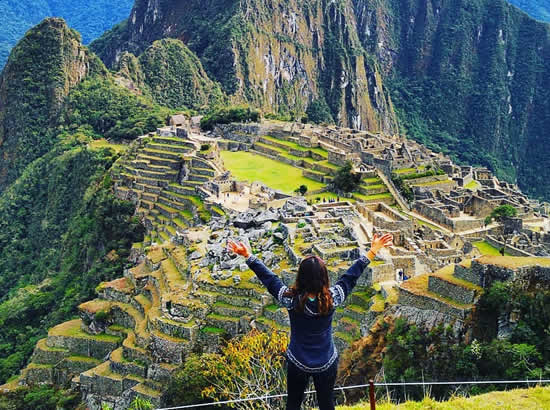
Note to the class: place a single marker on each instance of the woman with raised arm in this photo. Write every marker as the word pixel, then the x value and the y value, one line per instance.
pixel 311 302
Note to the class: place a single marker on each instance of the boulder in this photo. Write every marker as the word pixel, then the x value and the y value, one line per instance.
pixel 195 255
pixel 244 221
pixel 269 215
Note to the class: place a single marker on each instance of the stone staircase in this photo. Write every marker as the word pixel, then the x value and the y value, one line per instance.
pixel 164 178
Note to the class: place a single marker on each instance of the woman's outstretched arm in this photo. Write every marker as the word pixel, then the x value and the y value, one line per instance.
pixel 347 281
pixel 271 281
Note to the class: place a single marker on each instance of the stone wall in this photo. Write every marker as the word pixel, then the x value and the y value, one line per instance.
pixel 382 273
pixel 314 175
pixel 83 346
pixel 459 225
pixel 427 303
pixel 507 248
pixel 406 263
pixel 338 158
pixel 474 276
pixel 484 275
pixel 451 291
pixel 398 222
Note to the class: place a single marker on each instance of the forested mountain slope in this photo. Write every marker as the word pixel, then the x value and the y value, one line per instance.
pixel 45 65
pixel 90 18
pixel 469 77
pixel 62 230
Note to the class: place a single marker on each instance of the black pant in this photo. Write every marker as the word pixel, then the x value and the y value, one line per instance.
pixel 297 381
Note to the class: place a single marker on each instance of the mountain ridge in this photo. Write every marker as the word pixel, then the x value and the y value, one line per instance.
pixel 89 18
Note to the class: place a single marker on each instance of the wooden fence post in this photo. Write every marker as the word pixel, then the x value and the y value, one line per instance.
pixel 372 399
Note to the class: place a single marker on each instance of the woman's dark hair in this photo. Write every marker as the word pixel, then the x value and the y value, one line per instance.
pixel 312 278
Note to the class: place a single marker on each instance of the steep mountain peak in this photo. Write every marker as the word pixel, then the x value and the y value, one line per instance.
pixel 41 70
pixel 281 56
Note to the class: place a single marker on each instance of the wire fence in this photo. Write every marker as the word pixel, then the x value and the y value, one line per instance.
pixel 370 385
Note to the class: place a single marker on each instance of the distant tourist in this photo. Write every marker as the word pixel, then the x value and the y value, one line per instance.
pixel 311 303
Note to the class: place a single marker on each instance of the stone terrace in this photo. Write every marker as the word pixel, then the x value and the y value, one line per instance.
pixel 164 176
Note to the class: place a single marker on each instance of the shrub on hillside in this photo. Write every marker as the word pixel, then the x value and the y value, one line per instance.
pixel 250 365
pixel 227 115
pixel 405 190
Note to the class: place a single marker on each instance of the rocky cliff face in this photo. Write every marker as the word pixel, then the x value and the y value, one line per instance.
pixel 41 70
pixel 279 55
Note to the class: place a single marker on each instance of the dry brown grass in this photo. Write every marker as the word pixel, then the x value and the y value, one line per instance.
pixel 513 262
pixel 94 306
pixel 156 255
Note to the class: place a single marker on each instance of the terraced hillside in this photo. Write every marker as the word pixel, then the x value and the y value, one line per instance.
pixel 164 175
pixel 315 165
pixel 184 298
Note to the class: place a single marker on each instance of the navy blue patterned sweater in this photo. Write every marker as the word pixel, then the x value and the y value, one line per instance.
pixel 311 345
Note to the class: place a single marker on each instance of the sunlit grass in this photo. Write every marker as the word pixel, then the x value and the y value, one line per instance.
pixel 246 166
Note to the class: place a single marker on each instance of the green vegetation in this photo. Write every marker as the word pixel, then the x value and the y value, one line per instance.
pixel 247 365
pixel 227 115
pixel 38 72
pixel 487 249
pixel 372 197
pixel 473 185
pixel 500 213
pixel 22 15
pixel 409 170
pixel 175 77
pixel 57 222
pixel 456 110
pixel 318 112
pixel 504 211
pixel 533 398
pixel 98 107
pixel 246 166
pixel 403 188
pixel 346 180
pixel 39 398
pixel 522 356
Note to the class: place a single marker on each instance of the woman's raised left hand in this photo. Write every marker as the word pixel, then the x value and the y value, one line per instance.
pixel 238 248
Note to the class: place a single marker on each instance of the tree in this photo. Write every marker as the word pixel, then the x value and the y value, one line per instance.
pixel 303 189
pixel 504 211
pixel 346 180
pixel 501 212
